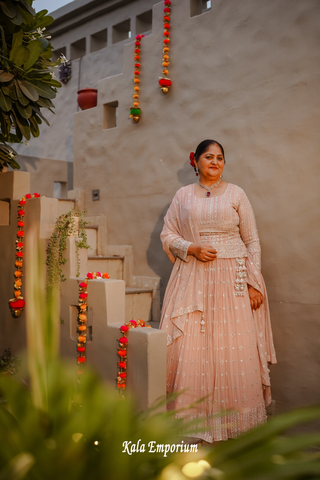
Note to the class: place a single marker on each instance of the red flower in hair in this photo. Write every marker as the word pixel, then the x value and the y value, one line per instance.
pixel 192 160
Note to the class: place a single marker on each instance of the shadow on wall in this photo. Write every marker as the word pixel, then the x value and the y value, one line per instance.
pixel 156 257
pixel 32 162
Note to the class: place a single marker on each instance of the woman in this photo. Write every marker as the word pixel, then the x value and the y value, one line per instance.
pixel 215 310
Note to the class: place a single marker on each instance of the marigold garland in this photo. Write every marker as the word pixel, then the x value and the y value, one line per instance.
pixel 17 303
pixel 135 111
pixel 122 352
pixel 165 82
pixel 82 316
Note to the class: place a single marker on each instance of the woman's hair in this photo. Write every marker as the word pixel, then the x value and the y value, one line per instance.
pixel 203 147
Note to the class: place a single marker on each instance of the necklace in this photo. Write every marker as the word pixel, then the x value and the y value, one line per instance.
pixel 208 189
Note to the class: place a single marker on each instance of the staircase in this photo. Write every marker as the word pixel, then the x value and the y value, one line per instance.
pixel 142 293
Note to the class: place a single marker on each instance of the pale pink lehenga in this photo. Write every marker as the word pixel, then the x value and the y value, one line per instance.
pixel 217 346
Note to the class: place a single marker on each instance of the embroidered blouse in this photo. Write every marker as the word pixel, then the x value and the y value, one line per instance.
pixel 225 222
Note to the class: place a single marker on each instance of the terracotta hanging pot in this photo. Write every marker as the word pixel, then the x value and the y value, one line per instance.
pixel 87 98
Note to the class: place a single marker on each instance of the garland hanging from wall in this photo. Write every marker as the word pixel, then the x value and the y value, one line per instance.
pixel 17 303
pixel 135 111
pixel 165 82
pixel 83 316
pixel 122 352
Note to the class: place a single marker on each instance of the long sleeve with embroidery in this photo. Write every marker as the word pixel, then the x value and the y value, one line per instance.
pixel 248 228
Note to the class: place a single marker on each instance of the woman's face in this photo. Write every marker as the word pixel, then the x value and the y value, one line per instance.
pixel 211 163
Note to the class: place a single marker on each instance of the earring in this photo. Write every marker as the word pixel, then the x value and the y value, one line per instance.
pixel 196 169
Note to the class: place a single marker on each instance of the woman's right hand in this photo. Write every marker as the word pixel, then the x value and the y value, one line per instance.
pixel 204 253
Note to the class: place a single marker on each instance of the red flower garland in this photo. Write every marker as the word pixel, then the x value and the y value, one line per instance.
pixel 82 317
pixel 122 352
pixel 135 111
pixel 17 303
pixel 165 83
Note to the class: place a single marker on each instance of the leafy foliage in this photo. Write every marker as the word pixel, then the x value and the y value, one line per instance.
pixel 65 226
pixel 27 82
pixel 9 363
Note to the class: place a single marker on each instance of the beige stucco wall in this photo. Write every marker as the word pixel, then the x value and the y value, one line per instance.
pixel 247 74
pixel 44 172
pixel 57 141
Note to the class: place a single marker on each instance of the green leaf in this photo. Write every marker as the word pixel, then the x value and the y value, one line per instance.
pixel 44 90
pixel 4 44
pixel 21 55
pixel 28 7
pixel 21 97
pixel 5 76
pixel 34 127
pixel 44 42
pixel 38 119
pixel 25 112
pixel 8 9
pixel 12 91
pixel 6 90
pixel 13 121
pixel 18 19
pixel 47 54
pixel 11 138
pixel 16 42
pixel 28 90
pixel 44 21
pixel 35 48
pixel 5 102
pixel 37 110
pixel 3 123
pixel 55 83
pixel 42 13
pixel 45 102
pixel 23 125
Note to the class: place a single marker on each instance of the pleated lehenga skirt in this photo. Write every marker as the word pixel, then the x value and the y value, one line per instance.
pixel 221 364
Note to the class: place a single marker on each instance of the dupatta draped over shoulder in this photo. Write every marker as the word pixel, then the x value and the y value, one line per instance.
pixel 186 289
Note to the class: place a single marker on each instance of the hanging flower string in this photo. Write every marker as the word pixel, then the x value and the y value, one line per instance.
pixel 165 82
pixel 122 352
pixel 83 316
pixel 17 303
pixel 135 111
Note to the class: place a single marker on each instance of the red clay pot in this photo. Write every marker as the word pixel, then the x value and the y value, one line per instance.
pixel 87 98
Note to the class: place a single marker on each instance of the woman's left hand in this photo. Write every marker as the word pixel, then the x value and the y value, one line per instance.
pixel 256 299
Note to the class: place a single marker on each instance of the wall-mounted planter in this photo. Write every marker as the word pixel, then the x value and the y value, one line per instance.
pixel 87 98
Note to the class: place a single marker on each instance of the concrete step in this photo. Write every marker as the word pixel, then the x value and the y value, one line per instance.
pixel 138 304
pixel 111 264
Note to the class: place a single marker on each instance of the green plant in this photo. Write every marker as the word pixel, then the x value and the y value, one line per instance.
pixel 65 226
pixel 27 83
pixel 83 241
pixel 9 363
